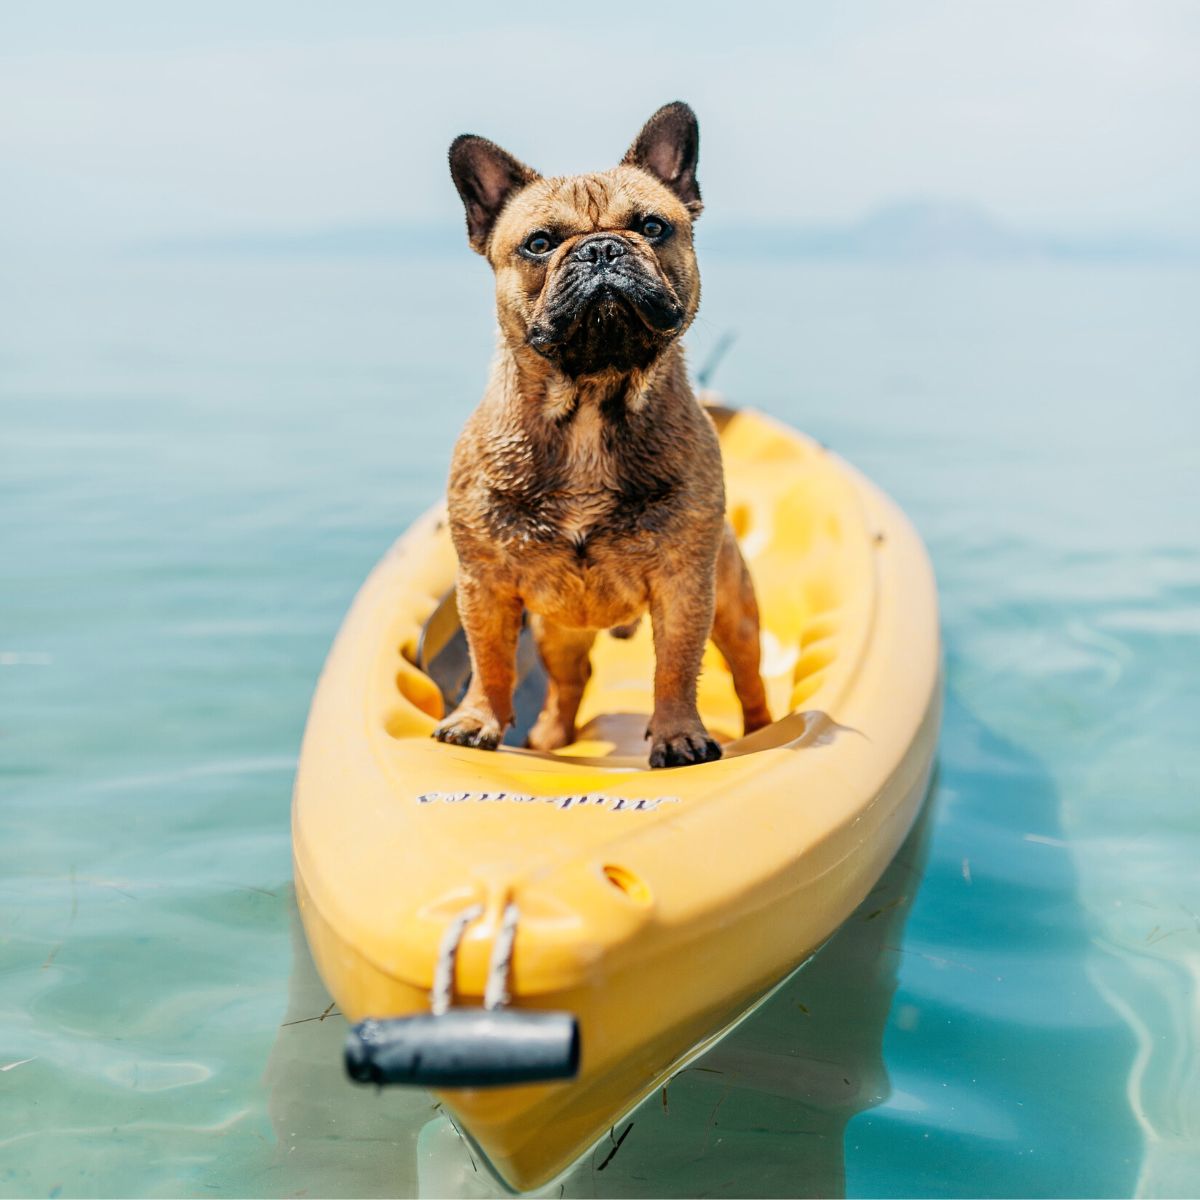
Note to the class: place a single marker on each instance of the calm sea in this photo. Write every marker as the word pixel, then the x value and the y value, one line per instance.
pixel 200 461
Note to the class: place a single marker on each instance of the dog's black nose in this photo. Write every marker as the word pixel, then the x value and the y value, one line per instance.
pixel 599 250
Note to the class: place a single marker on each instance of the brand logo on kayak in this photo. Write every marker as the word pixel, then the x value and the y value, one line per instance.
pixel 583 800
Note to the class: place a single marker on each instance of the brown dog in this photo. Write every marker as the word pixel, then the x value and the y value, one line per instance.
pixel 587 487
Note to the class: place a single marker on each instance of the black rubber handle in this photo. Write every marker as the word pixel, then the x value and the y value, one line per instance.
pixel 465 1047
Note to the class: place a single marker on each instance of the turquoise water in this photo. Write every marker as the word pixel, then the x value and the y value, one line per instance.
pixel 200 463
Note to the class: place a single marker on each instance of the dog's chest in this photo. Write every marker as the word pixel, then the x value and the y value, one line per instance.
pixel 590 475
pixel 564 491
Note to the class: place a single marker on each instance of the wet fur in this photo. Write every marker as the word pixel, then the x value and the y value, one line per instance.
pixel 587 488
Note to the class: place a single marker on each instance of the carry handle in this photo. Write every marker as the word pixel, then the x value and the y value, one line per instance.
pixel 492 1046
pixel 465 1047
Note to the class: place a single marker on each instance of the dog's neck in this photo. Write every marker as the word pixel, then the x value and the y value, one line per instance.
pixel 544 393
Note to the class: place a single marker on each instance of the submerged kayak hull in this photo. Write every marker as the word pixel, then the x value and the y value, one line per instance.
pixel 656 906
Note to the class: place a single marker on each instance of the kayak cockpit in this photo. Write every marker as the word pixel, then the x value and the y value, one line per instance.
pixel 802 532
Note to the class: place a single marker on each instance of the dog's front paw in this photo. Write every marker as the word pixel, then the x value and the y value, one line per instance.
pixel 683 748
pixel 469 729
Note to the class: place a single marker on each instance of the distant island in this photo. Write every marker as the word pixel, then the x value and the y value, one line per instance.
pixel 912 230
pixel 920 229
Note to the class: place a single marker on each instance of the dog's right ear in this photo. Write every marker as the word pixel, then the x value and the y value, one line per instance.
pixel 486 177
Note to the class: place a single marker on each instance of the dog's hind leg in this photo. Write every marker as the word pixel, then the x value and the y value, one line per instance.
pixel 735 632
pixel 564 654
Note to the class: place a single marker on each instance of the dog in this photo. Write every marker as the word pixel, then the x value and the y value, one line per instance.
pixel 587 488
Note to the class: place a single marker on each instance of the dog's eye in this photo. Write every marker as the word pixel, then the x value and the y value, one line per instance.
pixel 538 244
pixel 654 228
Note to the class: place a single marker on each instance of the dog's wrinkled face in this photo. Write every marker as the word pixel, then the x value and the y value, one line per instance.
pixel 595 273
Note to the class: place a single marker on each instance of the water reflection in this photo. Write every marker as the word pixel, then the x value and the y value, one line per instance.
pixel 1005 1059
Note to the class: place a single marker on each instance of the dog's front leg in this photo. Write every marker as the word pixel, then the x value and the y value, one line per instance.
pixel 491 617
pixel 681 609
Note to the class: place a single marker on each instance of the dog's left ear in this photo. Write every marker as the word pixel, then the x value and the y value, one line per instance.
pixel 668 147
pixel 486 177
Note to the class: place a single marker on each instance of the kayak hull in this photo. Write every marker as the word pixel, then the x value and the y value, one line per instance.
pixel 655 906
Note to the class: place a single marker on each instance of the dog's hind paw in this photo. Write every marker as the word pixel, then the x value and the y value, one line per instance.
pixel 683 750
pixel 548 734
pixel 466 729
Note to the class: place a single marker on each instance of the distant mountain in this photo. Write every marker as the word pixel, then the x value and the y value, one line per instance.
pixel 906 230
pixel 921 230
pixel 348 241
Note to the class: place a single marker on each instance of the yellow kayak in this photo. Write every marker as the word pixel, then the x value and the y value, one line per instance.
pixel 563 931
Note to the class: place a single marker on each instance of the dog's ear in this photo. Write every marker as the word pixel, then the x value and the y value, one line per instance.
pixel 486 177
pixel 668 148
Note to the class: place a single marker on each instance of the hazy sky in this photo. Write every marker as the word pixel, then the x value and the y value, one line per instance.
pixel 123 120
